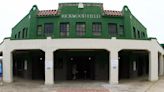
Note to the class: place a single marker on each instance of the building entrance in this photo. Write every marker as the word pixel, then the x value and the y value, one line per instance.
pixel 80 68
pixel 29 64
pixel 133 64
pixel 81 64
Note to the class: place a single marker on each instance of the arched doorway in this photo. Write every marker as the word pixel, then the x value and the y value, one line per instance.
pixel 81 64
pixel 133 64
pixel 29 64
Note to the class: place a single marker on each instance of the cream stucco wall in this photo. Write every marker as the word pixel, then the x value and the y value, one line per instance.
pixel 112 45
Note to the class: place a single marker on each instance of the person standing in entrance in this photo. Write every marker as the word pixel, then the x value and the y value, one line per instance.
pixel 74 71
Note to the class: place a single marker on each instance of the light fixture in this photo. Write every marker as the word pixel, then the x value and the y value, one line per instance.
pixel 41 58
pixel 89 58
pixel 71 58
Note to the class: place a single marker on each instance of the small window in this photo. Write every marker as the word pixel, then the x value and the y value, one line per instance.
pixel 64 29
pixel 19 34
pixel 121 30
pixel 26 32
pixel 15 36
pixel 80 29
pixel 39 29
pixel 143 34
pixel 134 32
pixel 138 32
pixel 112 29
pixel 96 28
pixel 48 29
pixel 23 33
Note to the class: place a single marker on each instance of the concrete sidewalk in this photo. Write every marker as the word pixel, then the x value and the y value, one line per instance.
pixel 138 86
pixel 84 86
pixel 157 86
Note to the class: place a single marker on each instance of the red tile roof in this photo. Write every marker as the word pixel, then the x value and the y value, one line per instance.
pixel 47 13
pixel 113 13
pixel 55 12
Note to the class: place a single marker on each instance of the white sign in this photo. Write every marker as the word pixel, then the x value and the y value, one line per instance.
pixel 25 65
pixel 114 64
pixel 134 66
pixel 80 16
pixel 49 64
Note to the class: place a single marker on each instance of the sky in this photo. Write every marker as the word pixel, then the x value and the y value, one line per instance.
pixel 149 12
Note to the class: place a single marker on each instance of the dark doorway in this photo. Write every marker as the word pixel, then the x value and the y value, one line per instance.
pixel 29 64
pixel 80 68
pixel 1 54
pixel 133 64
pixel 81 64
